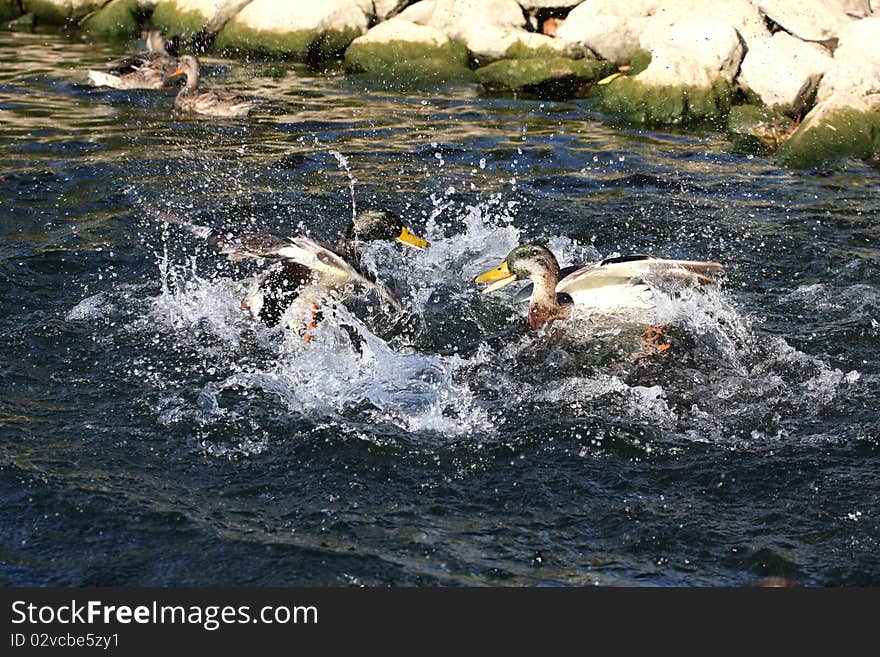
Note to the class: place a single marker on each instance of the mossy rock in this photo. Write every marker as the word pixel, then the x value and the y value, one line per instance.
pixel 408 65
pixel 639 103
pixel 553 77
pixel 757 130
pixel 519 50
pixel 47 12
pixel 177 22
pixel 118 18
pixel 9 10
pixel 300 44
pixel 829 140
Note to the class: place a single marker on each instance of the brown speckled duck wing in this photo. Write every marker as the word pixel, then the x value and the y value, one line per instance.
pixel 215 102
pixel 131 63
pixel 236 246
pixel 249 245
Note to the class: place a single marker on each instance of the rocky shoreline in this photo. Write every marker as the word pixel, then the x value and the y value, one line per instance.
pixel 800 79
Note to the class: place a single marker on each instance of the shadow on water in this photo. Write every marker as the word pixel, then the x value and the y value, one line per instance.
pixel 153 435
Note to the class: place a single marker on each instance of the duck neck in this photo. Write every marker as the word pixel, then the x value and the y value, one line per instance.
pixel 544 307
pixel 192 82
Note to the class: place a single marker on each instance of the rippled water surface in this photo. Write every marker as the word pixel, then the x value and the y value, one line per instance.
pixel 152 434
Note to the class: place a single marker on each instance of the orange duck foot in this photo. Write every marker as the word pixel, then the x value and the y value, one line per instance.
pixel 312 323
pixel 655 340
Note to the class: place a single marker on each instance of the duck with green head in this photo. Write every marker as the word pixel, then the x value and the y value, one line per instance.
pixel 617 284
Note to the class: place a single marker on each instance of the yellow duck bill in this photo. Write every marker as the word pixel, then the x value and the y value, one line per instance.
pixel 413 240
pixel 498 277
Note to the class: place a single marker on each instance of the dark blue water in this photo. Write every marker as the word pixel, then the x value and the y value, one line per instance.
pixel 153 435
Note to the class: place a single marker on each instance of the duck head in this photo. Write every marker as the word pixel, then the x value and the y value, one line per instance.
pixel 527 261
pixel 534 262
pixel 380 225
pixel 188 65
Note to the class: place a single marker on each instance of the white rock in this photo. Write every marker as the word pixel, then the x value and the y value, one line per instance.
pixel 615 38
pixel 632 8
pixel 741 14
pixel 398 29
pixel 285 17
pixel 783 70
pixel 215 12
pixel 457 16
pixel 693 53
pixel 385 9
pixel 854 80
pixel 487 28
pixel 609 28
pixel 814 21
pixel 224 12
pixel 419 13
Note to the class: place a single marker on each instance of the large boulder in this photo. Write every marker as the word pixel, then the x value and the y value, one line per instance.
pixel 490 29
pixel 829 135
pixel 398 53
pixel 814 21
pixel 609 28
pixel 302 29
pixel 692 52
pixel 186 18
pixel 854 79
pixel 688 79
pixel 785 71
pixel 846 119
pixel 742 15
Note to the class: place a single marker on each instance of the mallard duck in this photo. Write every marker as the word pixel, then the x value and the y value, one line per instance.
pixel 305 271
pixel 207 102
pixel 612 284
pixel 143 70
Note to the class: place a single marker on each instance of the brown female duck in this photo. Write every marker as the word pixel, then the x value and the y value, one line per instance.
pixel 218 103
pixel 142 70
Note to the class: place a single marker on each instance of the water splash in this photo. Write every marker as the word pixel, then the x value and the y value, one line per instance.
pixel 343 162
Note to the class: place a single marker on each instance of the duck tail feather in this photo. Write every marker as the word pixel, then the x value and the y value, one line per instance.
pixel 199 231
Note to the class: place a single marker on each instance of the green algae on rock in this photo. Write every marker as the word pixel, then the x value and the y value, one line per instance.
pixel 55 13
pixel 298 44
pixel 312 31
pixel 757 130
pixel 829 138
pixel 177 21
pixel 637 102
pixel 408 65
pixel 118 18
pixel 554 77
